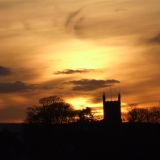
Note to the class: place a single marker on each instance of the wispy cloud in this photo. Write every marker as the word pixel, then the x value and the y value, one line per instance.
pixel 72 71
pixel 92 84
pixel 71 17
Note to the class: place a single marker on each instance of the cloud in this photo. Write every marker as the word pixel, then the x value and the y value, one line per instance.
pixel 133 104
pixel 14 87
pixel 115 24
pixel 155 39
pixel 92 84
pixel 97 99
pixel 71 71
pixel 4 71
pixel 72 16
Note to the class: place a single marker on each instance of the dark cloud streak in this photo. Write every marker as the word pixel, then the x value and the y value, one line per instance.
pixel 15 87
pixel 72 16
pixel 155 39
pixel 71 71
pixel 5 71
pixel 92 84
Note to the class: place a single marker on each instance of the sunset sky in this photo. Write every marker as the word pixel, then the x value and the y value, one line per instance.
pixel 77 49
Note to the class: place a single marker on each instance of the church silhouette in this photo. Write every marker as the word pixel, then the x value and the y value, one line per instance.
pixel 112 110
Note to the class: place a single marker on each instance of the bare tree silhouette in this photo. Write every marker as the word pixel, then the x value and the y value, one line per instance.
pixel 144 115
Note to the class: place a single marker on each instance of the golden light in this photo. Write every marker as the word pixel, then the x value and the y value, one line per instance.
pixel 124 107
pixel 97 108
pixel 77 54
pixel 79 103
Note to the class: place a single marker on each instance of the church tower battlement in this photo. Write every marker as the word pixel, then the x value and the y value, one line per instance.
pixel 112 110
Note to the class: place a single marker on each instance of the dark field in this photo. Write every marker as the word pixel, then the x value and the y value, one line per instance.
pixel 80 141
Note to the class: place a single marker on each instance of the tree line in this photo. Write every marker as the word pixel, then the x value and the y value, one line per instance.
pixel 140 115
pixel 54 110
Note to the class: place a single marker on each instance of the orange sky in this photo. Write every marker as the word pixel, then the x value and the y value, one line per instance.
pixel 77 49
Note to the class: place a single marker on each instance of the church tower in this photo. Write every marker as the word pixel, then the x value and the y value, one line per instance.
pixel 112 110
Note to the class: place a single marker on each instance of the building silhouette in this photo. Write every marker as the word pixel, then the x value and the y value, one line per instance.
pixel 112 110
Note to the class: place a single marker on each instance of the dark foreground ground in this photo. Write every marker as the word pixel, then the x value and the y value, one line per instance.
pixel 80 141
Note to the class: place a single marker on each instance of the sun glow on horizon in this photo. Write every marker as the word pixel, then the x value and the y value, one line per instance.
pixel 81 103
